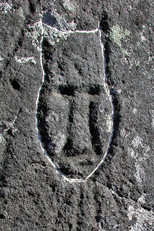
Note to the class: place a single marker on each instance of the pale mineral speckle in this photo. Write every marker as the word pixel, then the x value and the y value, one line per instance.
pixel 100 227
pixel 109 123
pixel 5 7
pixel 1 138
pixel 143 38
pixel 139 157
pixel 141 199
pixel 119 91
pixel 134 110
pixel 24 60
pixel 136 141
pixel 1 61
pixel 1 58
pixel 124 51
pixel 124 133
pixel 34 33
pixel 2 148
pixel 70 5
pixel 152 117
pixel 60 141
pixel 150 59
pixel 144 218
pixel 52 117
pixel 137 63
pixel 132 153
pixel 117 34
pixel 140 174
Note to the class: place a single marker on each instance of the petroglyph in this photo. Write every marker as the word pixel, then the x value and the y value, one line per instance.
pixel 74 110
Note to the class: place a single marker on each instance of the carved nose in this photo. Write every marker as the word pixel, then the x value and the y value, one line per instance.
pixel 78 131
pixel 80 125
pixel 81 132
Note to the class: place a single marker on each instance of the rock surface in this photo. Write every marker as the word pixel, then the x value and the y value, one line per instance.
pixel 75 89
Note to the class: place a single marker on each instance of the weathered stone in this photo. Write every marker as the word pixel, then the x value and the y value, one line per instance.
pixel 74 124
pixel 52 89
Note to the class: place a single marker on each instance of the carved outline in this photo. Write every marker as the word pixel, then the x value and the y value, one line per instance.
pixel 75 180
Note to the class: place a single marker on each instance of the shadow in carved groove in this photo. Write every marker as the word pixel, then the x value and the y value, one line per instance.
pixel 95 134
pixel 104 26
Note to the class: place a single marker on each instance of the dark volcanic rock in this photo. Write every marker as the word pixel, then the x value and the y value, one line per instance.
pixel 75 112
pixel 58 90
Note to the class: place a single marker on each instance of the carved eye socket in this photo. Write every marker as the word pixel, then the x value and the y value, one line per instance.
pixel 15 85
pixel 67 90
pixel 94 90
pixel 70 90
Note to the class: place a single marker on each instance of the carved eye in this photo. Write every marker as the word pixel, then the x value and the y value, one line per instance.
pixel 67 90
pixel 94 90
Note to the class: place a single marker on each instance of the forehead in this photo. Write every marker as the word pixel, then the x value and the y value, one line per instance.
pixel 75 61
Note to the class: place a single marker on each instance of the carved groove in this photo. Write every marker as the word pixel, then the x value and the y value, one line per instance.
pixel 67 90
pixel 94 131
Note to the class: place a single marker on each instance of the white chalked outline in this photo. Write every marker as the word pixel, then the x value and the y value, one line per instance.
pixel 74 180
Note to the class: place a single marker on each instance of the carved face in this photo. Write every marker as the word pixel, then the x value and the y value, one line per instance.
pixel 74 113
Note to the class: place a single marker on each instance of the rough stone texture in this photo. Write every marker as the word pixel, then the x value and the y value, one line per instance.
pixel 119 195
pixel 74 106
